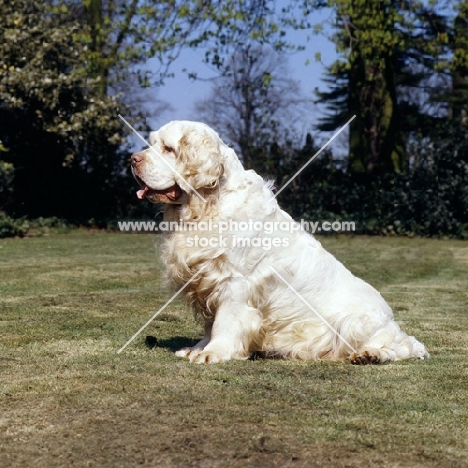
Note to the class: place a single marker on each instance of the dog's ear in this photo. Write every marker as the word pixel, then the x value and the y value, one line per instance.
pixel 199 159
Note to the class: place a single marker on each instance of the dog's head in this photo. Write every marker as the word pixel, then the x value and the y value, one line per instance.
pixel 185 158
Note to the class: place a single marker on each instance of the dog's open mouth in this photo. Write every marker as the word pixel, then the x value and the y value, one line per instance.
pixel 173 193
pixel 167 195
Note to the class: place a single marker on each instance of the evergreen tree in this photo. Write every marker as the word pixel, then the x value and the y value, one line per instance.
pixel 389 51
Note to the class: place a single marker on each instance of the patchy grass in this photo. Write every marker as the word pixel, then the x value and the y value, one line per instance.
pixel 69 302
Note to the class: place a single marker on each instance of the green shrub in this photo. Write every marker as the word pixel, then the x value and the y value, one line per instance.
pixel 10 227
pixel 430 199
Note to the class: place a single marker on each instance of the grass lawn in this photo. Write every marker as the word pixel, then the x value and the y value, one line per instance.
pixel 69 302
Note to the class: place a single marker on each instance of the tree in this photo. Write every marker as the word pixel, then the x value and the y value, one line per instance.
pixel 368 38
pixel 253 101
pixel 390 52
pixel 63 140
pixel 123 35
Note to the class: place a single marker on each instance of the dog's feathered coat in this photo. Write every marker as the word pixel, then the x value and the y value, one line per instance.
pixel 293 300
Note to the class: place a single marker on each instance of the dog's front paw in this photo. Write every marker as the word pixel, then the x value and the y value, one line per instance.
pixel 207 357
pixel 187 352
pixel 184 352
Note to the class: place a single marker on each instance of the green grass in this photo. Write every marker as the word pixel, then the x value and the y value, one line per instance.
pixel 69 302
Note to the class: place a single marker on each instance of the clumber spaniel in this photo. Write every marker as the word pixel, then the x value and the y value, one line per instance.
pixel 273 291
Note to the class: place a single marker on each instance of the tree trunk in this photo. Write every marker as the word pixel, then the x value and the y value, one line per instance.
pixel 376 143
pixel 98 67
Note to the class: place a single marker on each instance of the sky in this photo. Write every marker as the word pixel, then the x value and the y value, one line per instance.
pixel 182 93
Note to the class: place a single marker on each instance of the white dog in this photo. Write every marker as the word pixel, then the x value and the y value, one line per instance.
pixel 260 283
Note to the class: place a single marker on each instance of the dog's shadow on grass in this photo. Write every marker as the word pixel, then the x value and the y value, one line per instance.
pixel 173 344
pixel 179 342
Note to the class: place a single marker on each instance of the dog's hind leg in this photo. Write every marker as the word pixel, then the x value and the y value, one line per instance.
pixel 389 344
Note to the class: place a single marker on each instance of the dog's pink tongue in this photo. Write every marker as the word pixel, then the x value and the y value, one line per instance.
pixel 141 193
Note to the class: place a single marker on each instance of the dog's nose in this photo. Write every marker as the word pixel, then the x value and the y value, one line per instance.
pixel 136 159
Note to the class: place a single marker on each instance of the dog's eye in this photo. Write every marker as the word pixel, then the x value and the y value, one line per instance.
pixel 168 149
